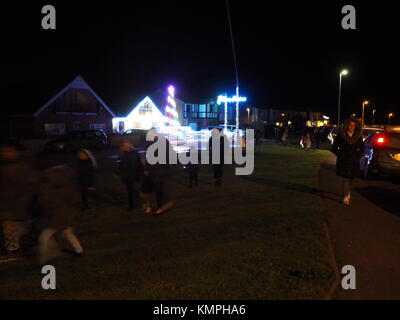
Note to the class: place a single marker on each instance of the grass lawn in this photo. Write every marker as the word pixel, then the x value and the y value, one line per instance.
pixel 256 237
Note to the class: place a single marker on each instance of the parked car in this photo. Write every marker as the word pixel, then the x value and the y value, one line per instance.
pixel 137 137
pixel 382 154
pixel 78 139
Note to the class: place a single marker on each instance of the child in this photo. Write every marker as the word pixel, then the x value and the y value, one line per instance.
pixel 86 165
pixel 147 189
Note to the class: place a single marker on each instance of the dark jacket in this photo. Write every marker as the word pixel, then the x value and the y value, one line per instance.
pixel 18 186
pixel 348 151
pixel 130 167
pixel 85 173
pixel 58 198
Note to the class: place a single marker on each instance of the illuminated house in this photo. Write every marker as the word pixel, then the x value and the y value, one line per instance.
pixel 148 113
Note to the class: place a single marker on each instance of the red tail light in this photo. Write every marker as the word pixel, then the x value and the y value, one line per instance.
pixel 380 140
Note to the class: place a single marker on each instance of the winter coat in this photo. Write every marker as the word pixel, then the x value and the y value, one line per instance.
pixel 348 150
pixel 18 186
pixel 58 198
pixel 130 167
pixel 85 173
pixel 162 172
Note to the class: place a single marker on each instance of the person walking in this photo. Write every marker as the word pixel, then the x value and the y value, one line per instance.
pixel 192 170
pixel 58 201
pixel 218 168
pixel 86 166
pixel 348 147
pixel 147 188
pixel 18 187
pixel 161 174
pixel 130 170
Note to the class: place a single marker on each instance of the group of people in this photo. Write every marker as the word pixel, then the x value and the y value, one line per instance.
pixel 43 204
pixel 31 202
pixel 312 137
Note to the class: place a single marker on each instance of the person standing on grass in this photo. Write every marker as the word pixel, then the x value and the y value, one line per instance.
pixel 18 186
pixel 130 169
pixel 258 137
pixel 147 188
pixel 348 147
pixel 86 166
pixel 218 168
pixel 161 174
pixel 58 202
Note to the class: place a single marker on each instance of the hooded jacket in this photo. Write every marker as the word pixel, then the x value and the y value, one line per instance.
pixel 348 150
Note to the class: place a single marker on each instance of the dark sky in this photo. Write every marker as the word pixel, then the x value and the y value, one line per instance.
pixel 289 53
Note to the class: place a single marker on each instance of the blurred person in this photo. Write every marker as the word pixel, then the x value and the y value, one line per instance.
pixel 349 148
pixel 305 141
pixel 161 174
pixel 317 137
pixel 86 167
pixel 58 201
pixel 193 172
pixel 218 168
pixel 284 135
pixel 147 188
pixel 130 170
pixel 18 186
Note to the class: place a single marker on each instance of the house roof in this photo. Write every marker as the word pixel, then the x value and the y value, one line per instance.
pixel 80 83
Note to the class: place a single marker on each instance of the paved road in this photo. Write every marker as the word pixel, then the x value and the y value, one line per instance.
pixel 366 234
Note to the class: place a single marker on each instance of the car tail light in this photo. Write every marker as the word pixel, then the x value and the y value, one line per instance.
pixel 380 140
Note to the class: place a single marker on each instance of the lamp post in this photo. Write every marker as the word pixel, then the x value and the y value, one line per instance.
pixel 248 115
pixel 342 73
pixel 390 116
pixel 366 102
pixel 373 117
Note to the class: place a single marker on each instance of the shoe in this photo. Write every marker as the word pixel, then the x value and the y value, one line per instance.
pixel 346 201
pixel 148 210
pixel 8 257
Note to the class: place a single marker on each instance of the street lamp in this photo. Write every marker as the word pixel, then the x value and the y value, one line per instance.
pixel 342 73
pixel 373 117
pixel 248 114
pixel 362 115
pixel 390 115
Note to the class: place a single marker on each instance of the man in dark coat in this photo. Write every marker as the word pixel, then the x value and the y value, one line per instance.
pixel 349 148
pixel 130 170
pixel 18 183
pixel 218 168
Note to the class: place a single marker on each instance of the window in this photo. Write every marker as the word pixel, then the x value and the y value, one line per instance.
pixel 202 110
pixel 54 129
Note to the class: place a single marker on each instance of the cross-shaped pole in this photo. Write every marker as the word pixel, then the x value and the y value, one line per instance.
pixel 227 100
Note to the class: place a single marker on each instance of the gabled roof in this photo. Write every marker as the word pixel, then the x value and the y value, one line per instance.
pixel 77 83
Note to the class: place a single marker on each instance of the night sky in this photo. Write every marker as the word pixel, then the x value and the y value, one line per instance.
pixel 289 53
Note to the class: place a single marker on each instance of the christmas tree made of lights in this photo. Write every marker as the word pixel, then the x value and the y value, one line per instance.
pixel 171 115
